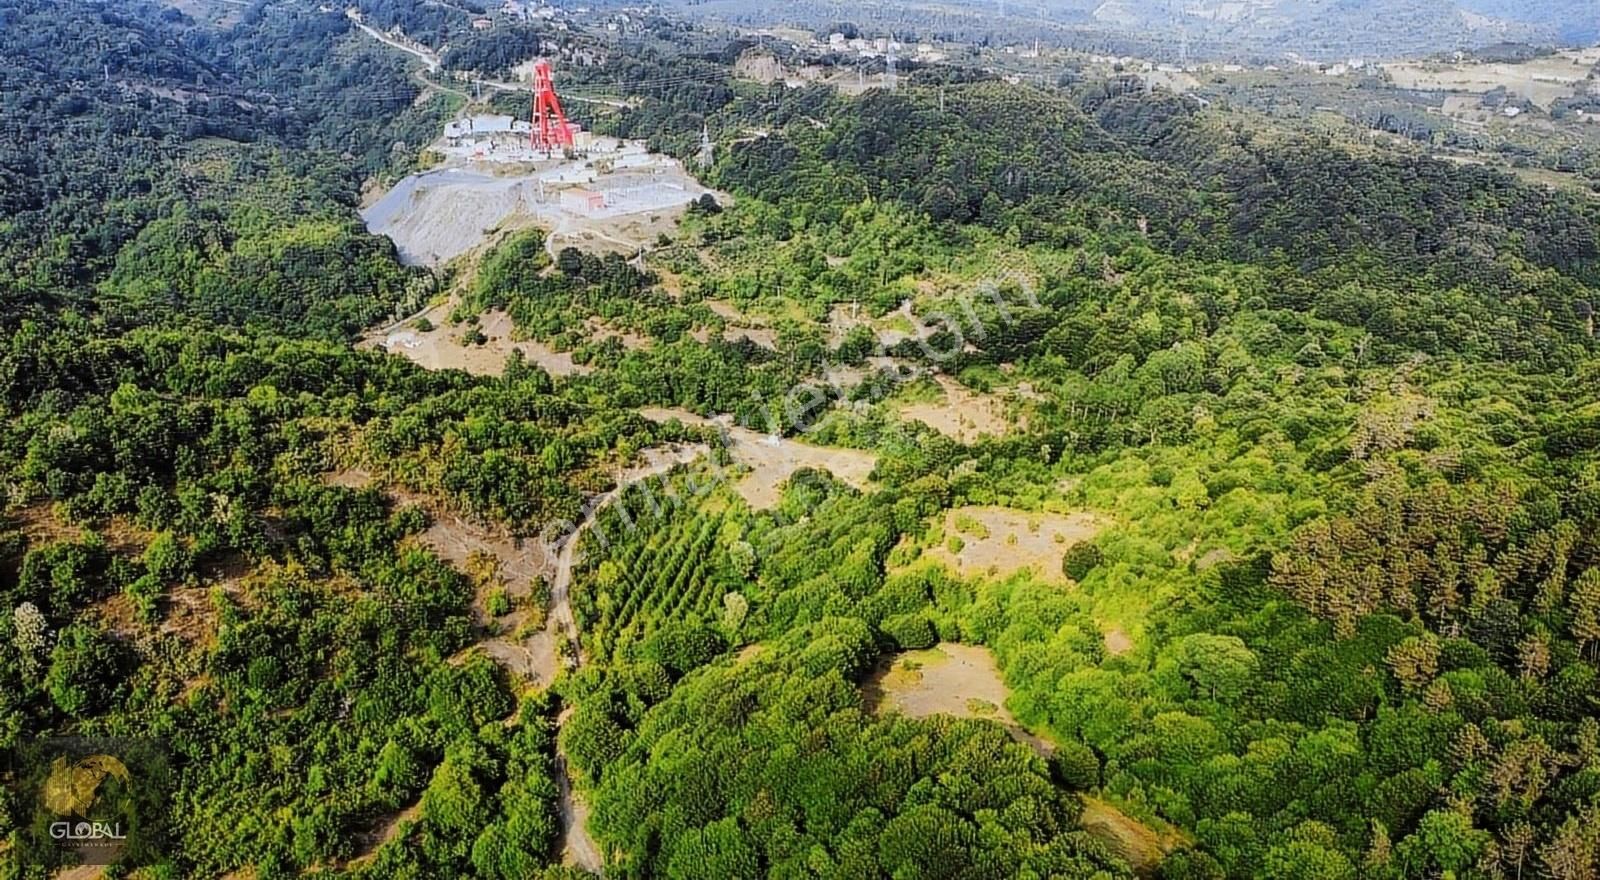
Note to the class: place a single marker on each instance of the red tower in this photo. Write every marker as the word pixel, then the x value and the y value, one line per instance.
pixel 550 129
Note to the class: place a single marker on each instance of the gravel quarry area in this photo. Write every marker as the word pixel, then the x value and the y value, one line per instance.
pixel 438 215
pixel 608 193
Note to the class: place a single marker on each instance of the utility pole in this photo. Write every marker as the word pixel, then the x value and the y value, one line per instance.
pixel 889 79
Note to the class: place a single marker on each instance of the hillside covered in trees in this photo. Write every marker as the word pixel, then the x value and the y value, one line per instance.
pixel 1327 422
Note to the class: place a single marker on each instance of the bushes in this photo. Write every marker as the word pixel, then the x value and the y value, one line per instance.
pixel 87 671
pixel 1080 559
pixel 1075 765
pixel 910 632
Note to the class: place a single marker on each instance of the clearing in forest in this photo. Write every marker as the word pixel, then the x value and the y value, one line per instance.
pixel 517 564
pixel 1000 541
pixel 443 346
pixel 773 460
pixel 953 679
pixel 963 681
pixel 889 330
pixel 962 414
pixel 740 325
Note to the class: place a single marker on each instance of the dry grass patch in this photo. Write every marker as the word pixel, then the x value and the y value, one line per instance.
pixel 773 460
pixel 962 414
pixel 1000 541
pixel 953 679
pixel 441 346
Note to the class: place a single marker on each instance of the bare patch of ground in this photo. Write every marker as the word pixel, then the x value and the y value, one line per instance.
pixel 741 325
pixel 599 330
pixel 531 658
pixel 576 846
pixel 890 330
pixel 443 348
pixel 192 615
pixel 963 415
pixel 1141 846
pixel 349 478
pixel 761 336
pixel 999 541
pixel 40 525
pixel 516 564
pixel 455 540
pixel 383 832
pixel 1213 558
pixel 1118 642
pixel 950 679
pixel 773 460
pixel 1541 81
pixel 953 679
pixel 727 311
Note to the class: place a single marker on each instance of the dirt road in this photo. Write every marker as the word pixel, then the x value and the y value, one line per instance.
pixel 657 462
pixel 431 62
pixel 577 847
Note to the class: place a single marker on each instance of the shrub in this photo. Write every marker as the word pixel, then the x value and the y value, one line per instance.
pixel 497 603
pixel 1081 558
pixel 1076 766
pixel 911 632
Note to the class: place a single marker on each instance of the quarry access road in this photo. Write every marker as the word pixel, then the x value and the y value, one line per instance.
pixel 431 62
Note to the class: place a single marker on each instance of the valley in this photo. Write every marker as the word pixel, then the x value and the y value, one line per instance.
pixel 898 442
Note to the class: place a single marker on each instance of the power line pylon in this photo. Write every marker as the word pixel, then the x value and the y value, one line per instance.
pixel 707 149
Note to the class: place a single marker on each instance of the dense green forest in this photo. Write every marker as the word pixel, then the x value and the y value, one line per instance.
pixel 187 171
pixel 1334 413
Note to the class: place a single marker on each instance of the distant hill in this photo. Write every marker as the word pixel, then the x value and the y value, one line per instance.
pixel 1572 21
pixel 1168 29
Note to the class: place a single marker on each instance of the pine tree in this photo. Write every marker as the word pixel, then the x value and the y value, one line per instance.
pixel 1583 604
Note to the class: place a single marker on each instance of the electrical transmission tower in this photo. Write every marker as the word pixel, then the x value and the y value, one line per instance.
pixel 707 149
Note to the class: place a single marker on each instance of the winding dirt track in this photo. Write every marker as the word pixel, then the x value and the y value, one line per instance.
pixel 577 847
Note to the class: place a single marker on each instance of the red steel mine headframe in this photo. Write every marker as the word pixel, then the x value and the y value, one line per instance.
pixel 550 130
